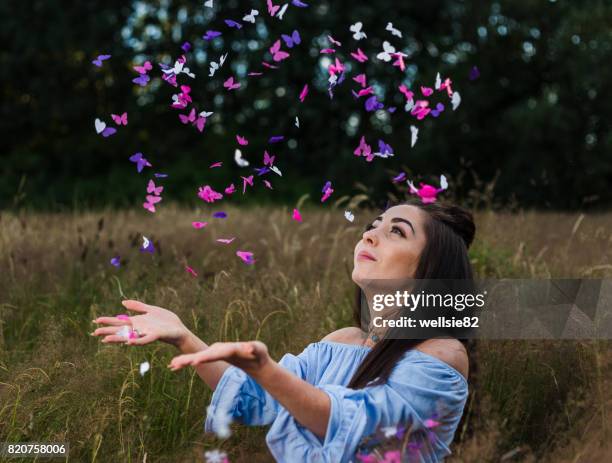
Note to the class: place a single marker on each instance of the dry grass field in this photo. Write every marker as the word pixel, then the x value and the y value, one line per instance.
pixel 534 401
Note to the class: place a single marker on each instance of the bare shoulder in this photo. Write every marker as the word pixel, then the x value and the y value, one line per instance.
pixel 347 335
pixel 450 351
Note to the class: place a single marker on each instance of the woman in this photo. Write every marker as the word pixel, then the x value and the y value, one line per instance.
pixel 322 402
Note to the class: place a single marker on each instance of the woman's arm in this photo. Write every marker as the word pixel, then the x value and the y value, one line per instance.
pixel 309 405
pixel 209 372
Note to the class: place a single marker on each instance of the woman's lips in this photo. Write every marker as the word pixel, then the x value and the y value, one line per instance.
pixel 363 255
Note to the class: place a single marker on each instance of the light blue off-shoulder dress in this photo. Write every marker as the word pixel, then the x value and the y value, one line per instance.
pixel 420 387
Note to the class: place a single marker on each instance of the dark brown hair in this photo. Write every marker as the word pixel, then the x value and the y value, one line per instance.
pixel 450 231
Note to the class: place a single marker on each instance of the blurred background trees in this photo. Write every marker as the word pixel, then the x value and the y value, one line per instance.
pixel 536 121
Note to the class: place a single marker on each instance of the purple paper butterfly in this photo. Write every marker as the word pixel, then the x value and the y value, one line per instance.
pixel 261 170
pixel 160 175
pixel 276 139
pixel 116 261
pixel 211 35
pixel 232 23
pixel 474 73
pixel 140 161
pixel 299 4
pixel 142 80
pixel 220 215
pixel 327 186
pixel 291 40
pixel 439 108
pixel 186 47
pixel 372 104
pixel 383 148
pixel 99 59
pixel 400 178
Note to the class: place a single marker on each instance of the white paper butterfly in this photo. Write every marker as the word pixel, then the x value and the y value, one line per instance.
pixel 206 114
pixel 281 12
pixel 443 182
pixel 414 133
pixel 144 367
pixel 357 32
pixel 208 3
pixel 239 159
pixel 297 122
pixel 250 18
pixel 393 30
pixel 215 66
pixel 179 68
pixel 348 215
pixel 456 100
pixel 438 81
pixel 333 78
pixel 385 55
pixel 276 170
pixel 100 125
pixel 145 242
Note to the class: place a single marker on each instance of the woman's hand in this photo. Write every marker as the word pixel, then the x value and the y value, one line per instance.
pixel 153 323
pixel 250 356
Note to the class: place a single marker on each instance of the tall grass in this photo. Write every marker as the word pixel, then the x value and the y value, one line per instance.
pixel 57 383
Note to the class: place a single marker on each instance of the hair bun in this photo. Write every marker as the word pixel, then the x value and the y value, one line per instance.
pixel 462 222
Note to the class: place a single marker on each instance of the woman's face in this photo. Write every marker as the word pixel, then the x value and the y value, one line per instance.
pixel 391 245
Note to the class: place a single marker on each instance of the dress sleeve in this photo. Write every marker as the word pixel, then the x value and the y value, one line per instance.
pixel 421 389
pixel 238 397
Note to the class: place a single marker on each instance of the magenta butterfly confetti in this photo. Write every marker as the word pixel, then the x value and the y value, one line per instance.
pixel 99 59
pixel 120 120
pixel 150 202
pixel 198 225
pixel 216 164
pixel 268 160
pixel 272 9
pixel 146 67
pixel 361 80
pixel 209 195
pixel 359 56
pixel 140 161
pixel 191 271
pixel 246 256
pixel 426 91
pixel 327 51
pixel 364 150
pixel 242 141
pixel 211 35
pixel 407 93
pixel 246 180
pixel 327 191
pixel 268 184
pixel 291 40
pixel 334 41
pixel 230 85
pixel 303 93
pixel 220 215
pixel 336 68
pixel 230 189
pixel 152 189
pixel 199 122
pixel 296 215
pixel 277 53
pixel 420 109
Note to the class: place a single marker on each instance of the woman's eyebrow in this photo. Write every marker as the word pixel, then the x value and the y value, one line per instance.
pixel 397 219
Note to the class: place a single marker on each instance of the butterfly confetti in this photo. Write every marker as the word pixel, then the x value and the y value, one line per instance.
pixel 102 129
pixel 358 34
pixel 198 225
pixel 327 191
pixel 214 67
pixel 142 80
pixel 232 23
pixel 292 40
pixel 393 30
pixel 215 456
pixel 456 100
pixel 242 141
pixel 296 215
pixel 150 202
pixel 220 215
pixel 143 368
pixel 303 93
pixel 414 134
pixel 208 3
pixel 276 139
pixel 152 189
pixel 246 180
pixel 428 193
pixel 225 240
pixel 250 18
pixel 99 60
pixel 190 270
pixel 231 85
pixel 146 67
pixel 359 56
pixel 211 35
pixel 364 149
pixel 140 161
pixel 474 73
pixel 147 245
pixel 385 55
pixel 246 256
pixel 438 109
pixel 120 120
pixel 282 11
pixel 198 122
pixel 348 215
pixel 230 189
pixel 206 193
pixel 240 161
pixel 277 53
pixel 116 261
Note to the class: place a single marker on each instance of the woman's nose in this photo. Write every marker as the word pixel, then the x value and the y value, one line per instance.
pixel 370 237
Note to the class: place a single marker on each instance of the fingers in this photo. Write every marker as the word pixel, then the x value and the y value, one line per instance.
pixel 105 330
pixel 136 306
pixel 141 341
pixel 114 321
pixel 113 338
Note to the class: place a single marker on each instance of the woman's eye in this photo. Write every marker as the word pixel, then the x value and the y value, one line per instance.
pixel 398 230
pixel 369 227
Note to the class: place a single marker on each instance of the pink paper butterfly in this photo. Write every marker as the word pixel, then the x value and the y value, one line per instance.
pixel 230 84
pixel 230 189
pixel 296 215
pixel 246 256
pixel 242 141
pixel 246 180
pixel 268 184
pixel 359 56
pixel 147 66
pixel 120 120
pixel 225 240
pixel 407 93
pixel 303 93
pixel 335 42
pixel 364 150
pixel 427 91
pixel 149 205
pixel 151 188
pixel 190 270
pixel 360 79
pixel 268 160
pixel 277 53
pixel 198 225
pixel 216 164
pixel 272 9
